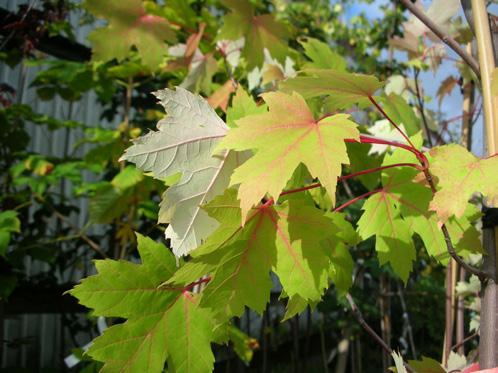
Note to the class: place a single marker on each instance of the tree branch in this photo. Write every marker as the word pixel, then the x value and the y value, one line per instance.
pixel 359 317
pixel 447 239
pixel 448 40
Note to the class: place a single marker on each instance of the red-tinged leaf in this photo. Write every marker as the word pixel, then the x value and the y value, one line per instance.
pixel 284 137
pixel 286 239
pixel 343 89
pixel 404 204
pixel 162 324
pixel 193 43
pixel 459 174
pixel 446 88
pixel 222 95
pixel 129 25
pixel 260 32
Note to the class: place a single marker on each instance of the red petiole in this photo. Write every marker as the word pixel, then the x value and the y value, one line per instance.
pixel 194 284
pixel 356 199
pixel 350 176
pixel 372 100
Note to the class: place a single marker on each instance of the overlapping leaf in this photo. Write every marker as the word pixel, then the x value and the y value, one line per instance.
pixel 284 137
pixel 322 56
pixel 184 144
pixel 343 89
pixel 129 25
pixel 401 208
pixel 459 174
pixel 162 324
pixel 288 239
pixel 260 32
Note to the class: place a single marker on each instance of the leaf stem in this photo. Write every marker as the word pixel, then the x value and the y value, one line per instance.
pixel 364 139
pixel 359 318
pixel 375 169
pixel 375 103
pixel 194 284
pixel 355 174
pixel 312 186
pixel 350 202
pixel 447 239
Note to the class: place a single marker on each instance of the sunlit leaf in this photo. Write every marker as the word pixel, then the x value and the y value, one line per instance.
pixel 459 174
pixel 343 89
pixel 129 25
pixel 284 137
pixel 162 324
pixel 184 143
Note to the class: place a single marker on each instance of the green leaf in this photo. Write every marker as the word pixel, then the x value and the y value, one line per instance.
pixel 107 204
pixel 242 106
pixel 9 222
pixel 284 137
pixel 401 113
pixel 459 174
pixel 295 306
pixel 393 236
pixel 162 324
pixel 260 32
pixel 364 157
pixel 408 199
pixel 4 242
pixel 285 238
pixel 184 143
pixel 343 89
pixel 128 177
pixel 426 365
pixel 129 25
pixel 243 344
pixel 322 56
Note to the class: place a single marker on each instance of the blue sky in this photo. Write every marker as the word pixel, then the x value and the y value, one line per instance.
pixel 451 105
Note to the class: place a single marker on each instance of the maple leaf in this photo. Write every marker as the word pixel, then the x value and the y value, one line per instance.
pixel 393 237
pixel 242 106
pixel 459 174
pixel 184 143
pixel 162 324
pixel 285 239
pixel 426 365
pixel 259 31
pixel 129 25
pixel 222 95
pixel 401 208
pixel 284 137
pixel 343 89
pixel 401 113
pixel 341 262
pixel 446 88
pixel 322 56
pixel 201 67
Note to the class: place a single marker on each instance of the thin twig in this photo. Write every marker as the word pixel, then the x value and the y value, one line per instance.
pixel 93 245
pixel 405 136
pixel 448 40
pixel 421 107
pixel 359 317
pixel 466 339
pixel 356 199
pixel 447 239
